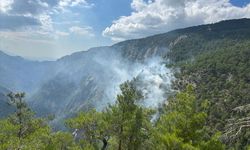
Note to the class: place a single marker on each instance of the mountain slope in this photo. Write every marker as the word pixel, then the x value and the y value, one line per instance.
pixel 18 74
pixel 223 78
pixel 182 44
pixel 91 78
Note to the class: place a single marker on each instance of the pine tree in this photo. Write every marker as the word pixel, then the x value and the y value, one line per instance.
pixel 130 122
pixel 22 130
pixel 183 126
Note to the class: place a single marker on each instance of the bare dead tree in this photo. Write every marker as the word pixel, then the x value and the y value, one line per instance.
pixel 235 126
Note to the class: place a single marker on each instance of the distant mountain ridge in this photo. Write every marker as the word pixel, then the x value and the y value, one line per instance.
pixel 18 73
pixel 237 29
pixel 79 81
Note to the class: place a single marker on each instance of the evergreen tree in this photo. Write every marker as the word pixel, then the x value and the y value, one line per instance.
pixel 183 126
pixel 90 129
pixel 23 131
pixel 130 122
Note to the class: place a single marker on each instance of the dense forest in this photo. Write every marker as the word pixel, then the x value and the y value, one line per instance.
pixel 125 125
pixel 209 108
pixel 222 78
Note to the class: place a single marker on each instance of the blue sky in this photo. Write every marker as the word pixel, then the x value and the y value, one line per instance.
pixel 50 29
pixel 240 3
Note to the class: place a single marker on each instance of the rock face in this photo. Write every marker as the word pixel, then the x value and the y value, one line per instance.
pixel 90 78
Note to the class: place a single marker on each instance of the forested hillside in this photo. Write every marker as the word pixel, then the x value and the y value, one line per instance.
pixel 222 77
pixel 205 85
pixel 124 125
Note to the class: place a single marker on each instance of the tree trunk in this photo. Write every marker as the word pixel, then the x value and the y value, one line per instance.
pixel 120 140
pixel 105 144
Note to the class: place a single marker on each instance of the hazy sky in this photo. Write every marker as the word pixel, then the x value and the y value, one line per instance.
pixel 49 29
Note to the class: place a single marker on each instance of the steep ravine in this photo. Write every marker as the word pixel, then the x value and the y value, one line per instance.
pixel 91 78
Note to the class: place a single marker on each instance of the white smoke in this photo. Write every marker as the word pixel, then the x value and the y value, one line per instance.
pixel 153 78
pixel 155 82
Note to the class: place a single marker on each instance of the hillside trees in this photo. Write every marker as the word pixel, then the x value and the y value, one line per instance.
pixel 183 126
pixel 222 77
pixel 125 125
pixel 22 130
pixel 128 126
pixel 90 129
pixel 130 122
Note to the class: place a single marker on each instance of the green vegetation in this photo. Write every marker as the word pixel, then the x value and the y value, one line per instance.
pixel 182 126
pixel 22 131
pixel 124 125
pixel 215 60
pixel 210 112
pixel 222 78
